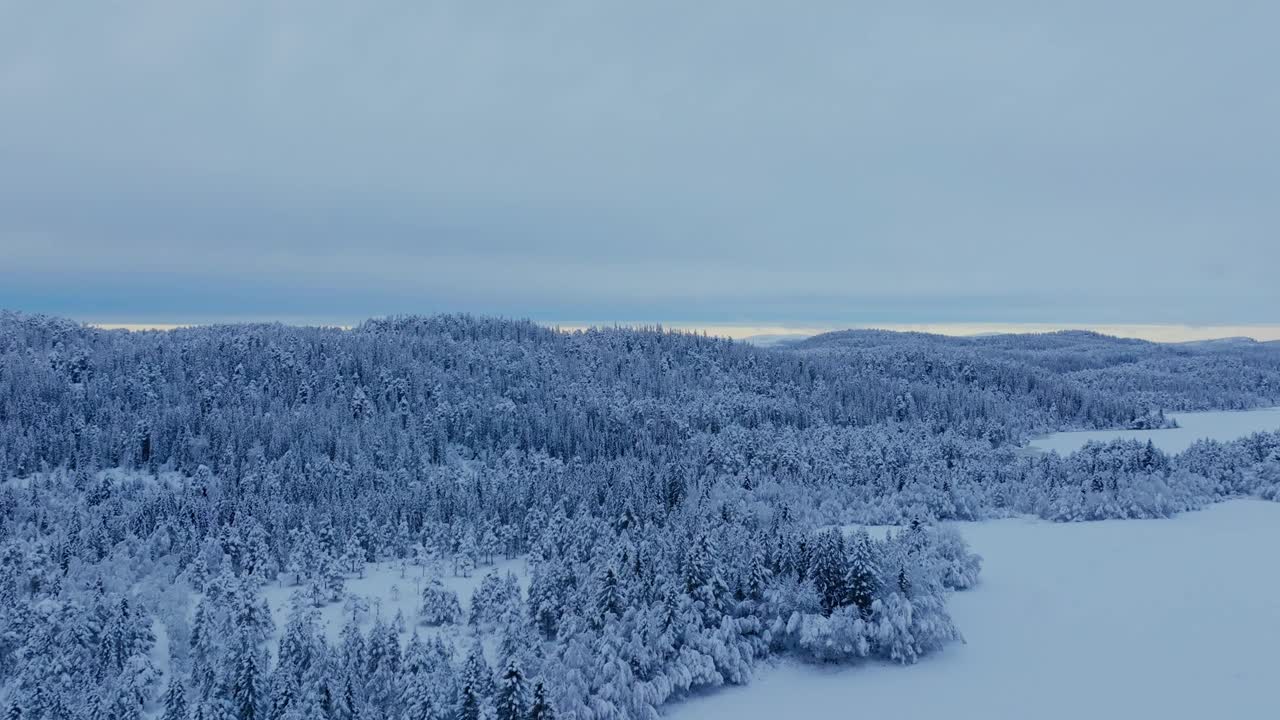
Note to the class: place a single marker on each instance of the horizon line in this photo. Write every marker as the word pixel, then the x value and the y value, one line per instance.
pixel 1153 332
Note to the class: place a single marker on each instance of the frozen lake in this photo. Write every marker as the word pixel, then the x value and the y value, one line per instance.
pixel 1119 619
pixel 1214 424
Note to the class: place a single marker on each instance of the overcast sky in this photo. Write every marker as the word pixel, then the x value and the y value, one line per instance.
pixel 776 164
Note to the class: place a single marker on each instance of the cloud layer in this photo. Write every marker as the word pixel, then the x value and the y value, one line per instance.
pixel 826 164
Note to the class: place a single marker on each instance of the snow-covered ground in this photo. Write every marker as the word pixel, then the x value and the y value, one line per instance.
pixel 1216 425
pixel 1119 619
pixel 386 589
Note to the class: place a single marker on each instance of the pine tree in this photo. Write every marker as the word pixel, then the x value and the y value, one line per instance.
pixel 198 572
pixel 477 687
pixel 354 652
pixel 464 560
pixel 608 600
pixel 512 697
pixel 862 581
pixel 300 645
pixel 490 546
pixel 361 407
pixel 256 560
pixel 520 640
pixel 325 536
pixel 252 620
pixel 544 596
pixel 829 569
pixel 246 687
pixel 439 606
pixel 175 699
pixel 353 554
pixel 418 697
pixel 283 695
pixel 757 576
pixel 402 539
pixel 541 708
pixel 470 703
pixel 702 580
pixel 346 704
pixel 476 671
pixel 334 581
pixel 134 688
pixel 203 650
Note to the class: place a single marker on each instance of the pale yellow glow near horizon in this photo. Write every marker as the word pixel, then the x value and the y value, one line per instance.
pixel 1153 332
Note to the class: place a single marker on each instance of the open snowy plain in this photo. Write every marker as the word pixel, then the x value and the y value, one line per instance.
pixel 1221 425
pixel 1167 619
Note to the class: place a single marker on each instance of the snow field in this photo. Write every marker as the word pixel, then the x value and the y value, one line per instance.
pixel 1221 425
pixel 1173 618
pixel 383 592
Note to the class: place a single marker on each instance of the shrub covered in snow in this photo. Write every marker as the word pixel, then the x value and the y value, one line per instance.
pixel 958 566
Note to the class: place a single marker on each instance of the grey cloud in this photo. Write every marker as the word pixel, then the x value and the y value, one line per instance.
pixel 745 161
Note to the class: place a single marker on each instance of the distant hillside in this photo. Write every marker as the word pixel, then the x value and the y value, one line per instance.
pixel 1225 374
pixel 417 386
pixel 775 340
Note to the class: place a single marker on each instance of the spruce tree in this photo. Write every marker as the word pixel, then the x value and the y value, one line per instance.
pixel 862 581
pixel 541 708
pixel 513 693
pixel 439 605
pixel 464 560
pixel 608 600
pixel 246 687
pixel 477 686
pixel 353 555
pixel 346 706
pixel 175 699
pixel 470 703
pixel 702 580
pixel 476 671
pixel 829 569
pixel 334 579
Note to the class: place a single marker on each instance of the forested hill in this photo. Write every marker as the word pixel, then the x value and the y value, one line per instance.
pixel 398 392
pixel 665 490
pixel 1231 374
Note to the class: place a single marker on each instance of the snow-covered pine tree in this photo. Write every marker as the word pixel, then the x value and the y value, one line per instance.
pixel 335 581
pixel 476 689
pixel 471 705
pixel 702 580
pixel 490 545
pixel 464 560
pixel 175 699
pixel 353 556
pixel 829 570
pixel 439 605
pixel 248 681
pixel 512 701
pixel 541 708
pixel 608 602
pixel 862 580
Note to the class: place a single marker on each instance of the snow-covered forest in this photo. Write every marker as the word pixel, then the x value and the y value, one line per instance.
pixel 463 517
